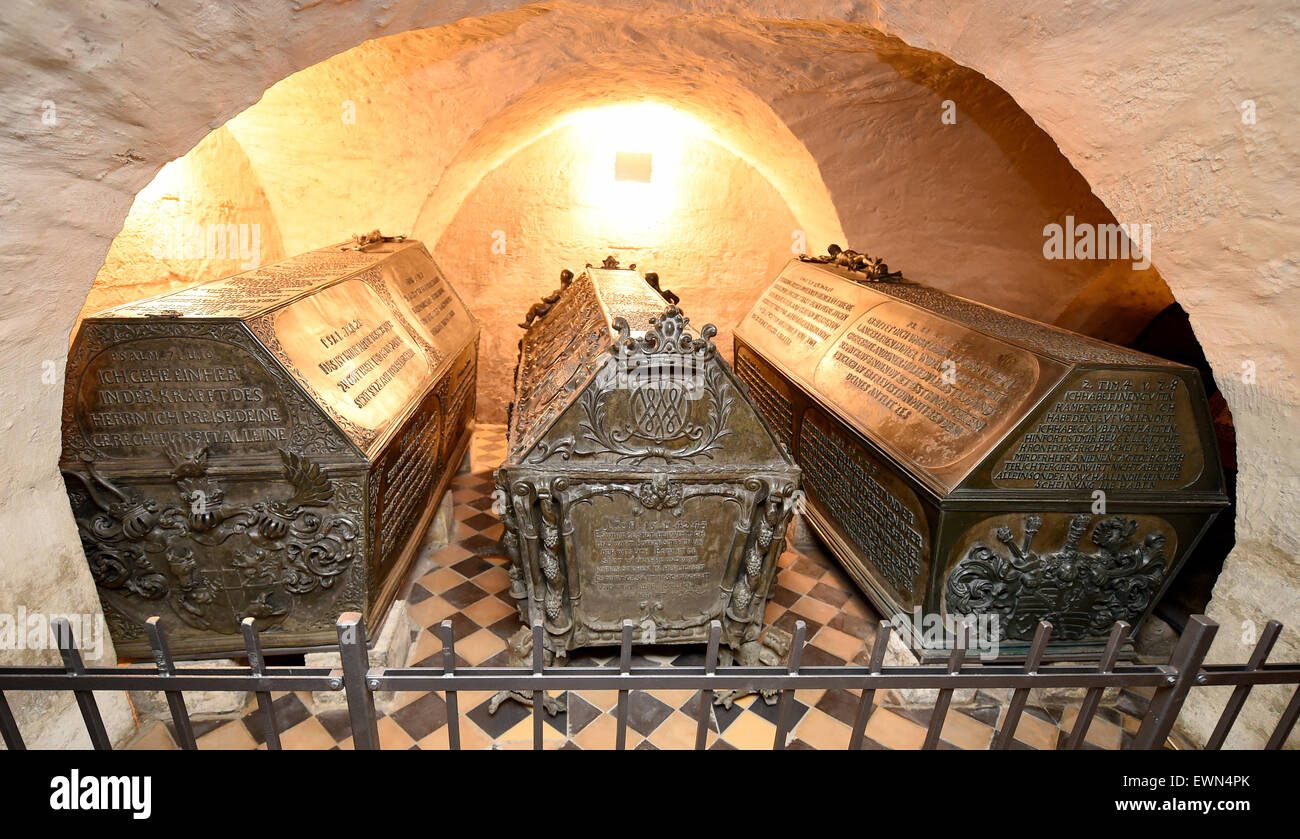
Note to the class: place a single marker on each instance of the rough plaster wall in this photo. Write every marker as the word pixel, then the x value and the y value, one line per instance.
pixel 883 168
pixel 961 205
pixel 356 142
pixel 1143 100
pixel 213 186
pixel 727 233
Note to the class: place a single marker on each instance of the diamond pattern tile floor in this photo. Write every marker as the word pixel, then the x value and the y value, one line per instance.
pixel 469 586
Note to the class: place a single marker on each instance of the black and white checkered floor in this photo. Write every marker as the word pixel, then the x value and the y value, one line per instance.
pixel 468 585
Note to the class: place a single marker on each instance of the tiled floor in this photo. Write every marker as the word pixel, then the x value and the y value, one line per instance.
pixel 468 584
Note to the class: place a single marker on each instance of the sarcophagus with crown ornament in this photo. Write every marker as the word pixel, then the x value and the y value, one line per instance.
pixel 640 483
pixel 269 445
pixel 964 462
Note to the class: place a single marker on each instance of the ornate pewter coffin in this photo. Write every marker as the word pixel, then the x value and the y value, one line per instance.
pixel 269 445
pixel 640 483
pixel 963 461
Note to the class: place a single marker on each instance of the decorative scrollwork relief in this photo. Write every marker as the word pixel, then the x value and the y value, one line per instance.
pixel 653 381
pixel 214 562
pixel 1081 593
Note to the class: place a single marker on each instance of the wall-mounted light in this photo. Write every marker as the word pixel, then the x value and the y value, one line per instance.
pixel 628 158
pixel 633 166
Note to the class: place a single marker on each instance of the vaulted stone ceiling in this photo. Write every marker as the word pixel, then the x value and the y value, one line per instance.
pixel 476 136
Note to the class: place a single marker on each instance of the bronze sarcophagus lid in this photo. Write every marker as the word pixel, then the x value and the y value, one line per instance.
pixel 963 462
pixel 269 445
pixel 640 483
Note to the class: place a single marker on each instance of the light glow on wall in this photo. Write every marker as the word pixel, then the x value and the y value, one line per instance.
pixel 642 128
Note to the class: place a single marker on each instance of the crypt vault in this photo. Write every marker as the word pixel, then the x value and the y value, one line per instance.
pixel 456 131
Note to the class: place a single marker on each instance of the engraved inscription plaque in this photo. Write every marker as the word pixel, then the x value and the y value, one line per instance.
pixel 871 508
pixel 670 560
pixel 268 445
pixel 954 455
pixel 640 483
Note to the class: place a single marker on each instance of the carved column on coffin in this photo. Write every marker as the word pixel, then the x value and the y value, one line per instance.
pixel 772 528
pixel 770 508
pixel 530 539
pixel 739 603
pixel 552 568
pixel 566 639
pixel 766 514
pixel 517 571
pixel 523 501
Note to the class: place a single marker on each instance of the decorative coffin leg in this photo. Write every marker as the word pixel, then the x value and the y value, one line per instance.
pixel 772 650
pixel 521 655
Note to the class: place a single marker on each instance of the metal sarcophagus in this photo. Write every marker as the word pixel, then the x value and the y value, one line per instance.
pixel 270 445
pixel 961 461
pixel 640 483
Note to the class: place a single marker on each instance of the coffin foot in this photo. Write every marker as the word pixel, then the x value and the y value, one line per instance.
pixel 520 648
pixel 772 650
pixel 550 704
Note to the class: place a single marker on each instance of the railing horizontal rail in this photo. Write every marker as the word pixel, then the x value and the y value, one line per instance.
pixel 110 678
pixel 773 678
pixel 1239 674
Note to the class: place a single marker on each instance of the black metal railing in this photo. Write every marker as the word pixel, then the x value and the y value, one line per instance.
pixel 1173 681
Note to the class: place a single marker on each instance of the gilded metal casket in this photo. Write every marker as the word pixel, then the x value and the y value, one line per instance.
pixel 269 445
pixel 961 461
pixel 640 483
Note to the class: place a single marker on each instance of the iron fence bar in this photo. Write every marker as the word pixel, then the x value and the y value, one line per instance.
pixel 1168 700
pixel 257 667
pixel 357 684
pixel 539 696
pixel 162 657
pixel 729 678
pixel 326 678
pixel 706 694
pixel 9 727
pixel 1021 695
pixel 624 666
pixel 944 700
pixel 598 678
pixel 191 679
pixel 1216 675
pixel 1228 718
pixel 1092 699
pixel 867 703
pixel 448 633
pixel 1285 723
pixel 787 695
pixel 85 696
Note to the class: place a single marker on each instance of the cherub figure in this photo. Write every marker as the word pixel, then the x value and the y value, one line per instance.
pixel 538 310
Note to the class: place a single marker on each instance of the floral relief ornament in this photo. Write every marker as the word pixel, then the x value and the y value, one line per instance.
pixel 1081 593
pixel 261 555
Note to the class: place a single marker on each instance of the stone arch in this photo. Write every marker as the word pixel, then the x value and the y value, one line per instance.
pixel 730 116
